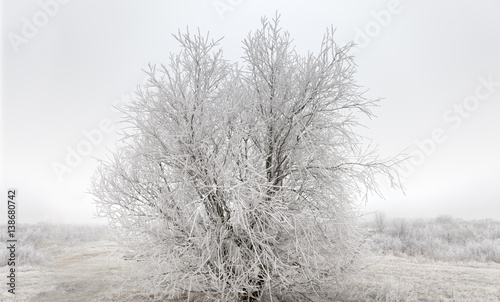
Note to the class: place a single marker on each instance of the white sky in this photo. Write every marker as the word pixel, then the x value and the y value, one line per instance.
pixel 423 57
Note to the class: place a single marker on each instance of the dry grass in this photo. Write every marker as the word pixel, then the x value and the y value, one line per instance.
pixel 95 269
pixel 35 241
pixel 393 278
pixel 443 238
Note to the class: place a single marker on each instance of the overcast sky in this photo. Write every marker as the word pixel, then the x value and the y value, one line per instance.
pixel 436 64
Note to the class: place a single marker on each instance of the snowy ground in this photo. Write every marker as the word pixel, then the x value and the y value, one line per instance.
pixel 392 278
pixel 86 272
pixel 92 271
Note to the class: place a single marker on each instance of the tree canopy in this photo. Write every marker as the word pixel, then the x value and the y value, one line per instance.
pixel 240 180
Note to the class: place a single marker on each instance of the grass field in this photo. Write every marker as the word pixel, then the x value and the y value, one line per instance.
pixel 78 263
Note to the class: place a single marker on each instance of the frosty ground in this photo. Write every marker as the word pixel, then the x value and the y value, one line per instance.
pixel 95 268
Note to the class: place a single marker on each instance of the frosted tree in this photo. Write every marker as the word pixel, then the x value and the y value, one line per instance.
pixel 242 181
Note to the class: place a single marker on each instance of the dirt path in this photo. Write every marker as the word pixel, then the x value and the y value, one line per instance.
pixel 81 273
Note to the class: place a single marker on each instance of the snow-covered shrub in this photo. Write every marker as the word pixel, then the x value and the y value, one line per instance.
pixel 235 180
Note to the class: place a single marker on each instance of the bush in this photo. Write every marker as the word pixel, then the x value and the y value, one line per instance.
pixel 235 181
pixel 444 238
